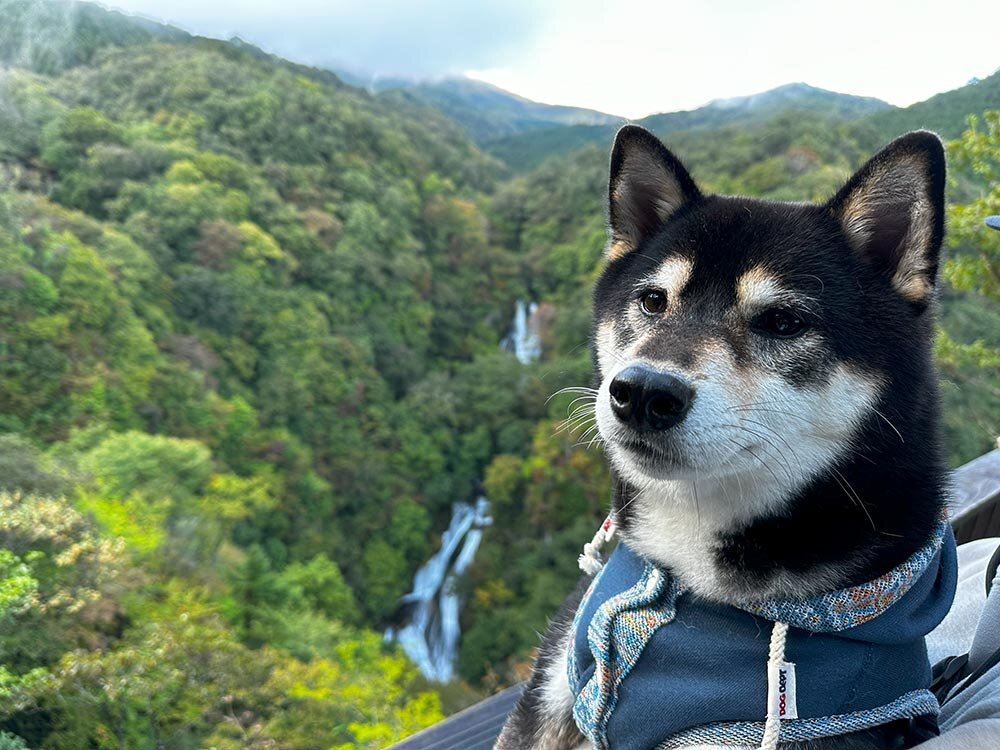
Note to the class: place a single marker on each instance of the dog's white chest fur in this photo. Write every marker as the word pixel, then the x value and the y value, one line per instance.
pixel 679 524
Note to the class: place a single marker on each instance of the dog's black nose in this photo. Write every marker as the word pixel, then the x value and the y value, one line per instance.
pixel 649 399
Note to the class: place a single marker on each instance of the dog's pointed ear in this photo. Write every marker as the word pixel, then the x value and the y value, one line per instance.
pixel 892 211
pixel 648 185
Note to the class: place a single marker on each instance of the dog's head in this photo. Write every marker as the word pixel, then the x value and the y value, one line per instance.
pixel 755 340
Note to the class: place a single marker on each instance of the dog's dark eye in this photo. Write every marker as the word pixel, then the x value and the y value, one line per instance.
pixel 653 302
pixel 780 323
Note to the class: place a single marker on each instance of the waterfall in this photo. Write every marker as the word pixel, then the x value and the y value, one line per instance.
pixel 431 634
pixel 430 638
pixel 524 338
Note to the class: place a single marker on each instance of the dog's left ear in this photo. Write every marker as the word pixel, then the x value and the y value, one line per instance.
pixel 648 185
pixel 892 211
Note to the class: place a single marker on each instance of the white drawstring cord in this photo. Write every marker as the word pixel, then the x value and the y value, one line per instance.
pixel 776 656
pixel 590 561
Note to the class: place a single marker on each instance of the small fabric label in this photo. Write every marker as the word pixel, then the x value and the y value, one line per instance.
pixel 781 691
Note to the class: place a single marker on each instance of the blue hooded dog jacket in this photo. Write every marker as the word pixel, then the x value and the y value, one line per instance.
pixel 653 666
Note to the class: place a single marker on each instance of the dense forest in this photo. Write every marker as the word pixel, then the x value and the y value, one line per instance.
pixel 249 358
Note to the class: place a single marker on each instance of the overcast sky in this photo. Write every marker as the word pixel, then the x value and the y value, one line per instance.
pixel 630 57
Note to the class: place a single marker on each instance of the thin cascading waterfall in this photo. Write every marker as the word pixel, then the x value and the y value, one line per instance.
pixel 430 637
pixel 431 634
pixel 524 338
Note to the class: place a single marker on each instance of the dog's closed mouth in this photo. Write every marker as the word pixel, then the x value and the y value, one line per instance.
pixel 647 451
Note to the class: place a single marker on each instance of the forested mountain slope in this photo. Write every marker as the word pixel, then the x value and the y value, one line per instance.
pixel 246 333
pixel 944 113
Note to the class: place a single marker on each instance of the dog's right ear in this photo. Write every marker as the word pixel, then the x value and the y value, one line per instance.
pixel 648 185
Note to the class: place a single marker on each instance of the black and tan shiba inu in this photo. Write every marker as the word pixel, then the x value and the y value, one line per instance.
pixel 768 405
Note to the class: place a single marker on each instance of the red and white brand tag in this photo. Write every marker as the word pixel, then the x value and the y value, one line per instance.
pixel 609 528
pixel 781 691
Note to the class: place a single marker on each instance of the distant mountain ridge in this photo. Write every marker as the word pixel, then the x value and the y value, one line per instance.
pixel 792 97
pixel 795 95
pixel 487 112
pixel 491 114
pixel 526 150
pixel 945 113
pixel 522 132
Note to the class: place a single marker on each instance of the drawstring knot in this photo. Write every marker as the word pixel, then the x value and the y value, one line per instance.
pixel 590 561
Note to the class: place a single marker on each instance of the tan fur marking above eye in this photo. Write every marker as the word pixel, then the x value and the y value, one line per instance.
pixel 617 249
pixel 672 276
pixel 758 288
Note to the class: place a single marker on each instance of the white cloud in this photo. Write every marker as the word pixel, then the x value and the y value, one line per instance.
pixel 643 57
pixel 630 57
